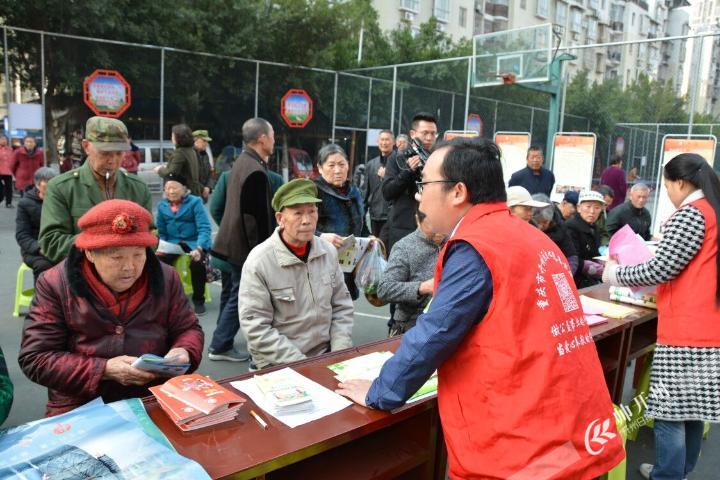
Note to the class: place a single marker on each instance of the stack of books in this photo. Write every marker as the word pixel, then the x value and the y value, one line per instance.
pixel 284 394
pixel 626 295
pixel 194 401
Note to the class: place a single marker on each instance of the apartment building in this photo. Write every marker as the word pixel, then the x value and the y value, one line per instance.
pixel 455 17
pixel 702 64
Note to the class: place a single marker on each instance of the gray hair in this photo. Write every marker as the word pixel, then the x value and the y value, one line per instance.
pixel 404 137
pixel 543 213
pixel 640 186
pixel 386 131
pixel 254 128
pixel 44 174
pixel 330 149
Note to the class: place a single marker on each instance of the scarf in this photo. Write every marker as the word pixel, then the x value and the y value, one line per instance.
pixel 122 305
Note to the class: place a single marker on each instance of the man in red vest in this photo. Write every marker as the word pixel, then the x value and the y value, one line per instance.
pixel 521 391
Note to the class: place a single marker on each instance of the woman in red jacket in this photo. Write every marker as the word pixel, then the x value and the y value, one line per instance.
pixel 27 159
pixel 109 302
pixel 685 377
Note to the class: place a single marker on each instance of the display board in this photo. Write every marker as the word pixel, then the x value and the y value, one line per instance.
pixel 672 146
pixel 514 147
pixel 573 156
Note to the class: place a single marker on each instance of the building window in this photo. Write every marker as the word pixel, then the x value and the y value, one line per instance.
pixel 632 20
pixel 542 8
pixel 576 24
pixel 412 5
pixel 561 14
pixel 462 20
pixel 442 10
pixel 523 4
pixel 592 29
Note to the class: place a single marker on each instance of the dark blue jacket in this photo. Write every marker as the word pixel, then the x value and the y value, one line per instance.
pixel 338 213
pixel 190 224
pixel 542 183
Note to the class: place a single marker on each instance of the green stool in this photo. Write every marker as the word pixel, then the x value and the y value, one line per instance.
pixel 620 470
pixel 182 265
pixel 23 298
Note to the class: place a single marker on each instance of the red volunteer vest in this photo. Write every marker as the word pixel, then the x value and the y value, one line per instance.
pixel 524 396
pixel 687 313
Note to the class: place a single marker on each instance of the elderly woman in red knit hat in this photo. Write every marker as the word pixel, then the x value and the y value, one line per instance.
pixel 94 313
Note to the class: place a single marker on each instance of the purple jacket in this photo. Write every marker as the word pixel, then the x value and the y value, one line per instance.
pixel 614 178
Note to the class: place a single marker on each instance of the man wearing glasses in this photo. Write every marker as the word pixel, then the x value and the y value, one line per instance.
pixel 398 186
pixel 521 392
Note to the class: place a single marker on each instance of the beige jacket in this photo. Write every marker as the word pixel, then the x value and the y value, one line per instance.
pixel 290 310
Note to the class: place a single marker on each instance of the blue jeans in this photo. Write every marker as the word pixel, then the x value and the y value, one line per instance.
pixel 228 322
pixel 677 448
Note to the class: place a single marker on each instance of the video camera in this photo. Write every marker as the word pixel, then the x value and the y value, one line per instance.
pixel 415 148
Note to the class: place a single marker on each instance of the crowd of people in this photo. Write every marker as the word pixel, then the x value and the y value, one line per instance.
pixel 461 246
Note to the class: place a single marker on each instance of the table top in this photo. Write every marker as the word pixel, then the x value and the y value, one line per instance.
pixel 602 292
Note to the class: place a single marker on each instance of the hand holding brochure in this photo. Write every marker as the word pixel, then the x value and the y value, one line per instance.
pixel 167 367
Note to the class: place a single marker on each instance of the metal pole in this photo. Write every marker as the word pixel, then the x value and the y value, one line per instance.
pixel 8 93
pixel 162 101
pixel 367 124
pixel 562 100
pixel 392 107
pixel 452 111
pixel 257 86
pixel 532 120
pixel 334 106
pixel 400 109
pixel 467 93
pixel 42 95
pixel 657 135
pixel 495 129
pixel 694 89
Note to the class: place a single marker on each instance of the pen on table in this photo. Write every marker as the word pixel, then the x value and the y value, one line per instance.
pixel 259 420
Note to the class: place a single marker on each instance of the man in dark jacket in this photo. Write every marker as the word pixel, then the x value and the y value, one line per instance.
pixel 27 223
pixel 399 187
pixel 586 237
pixel 374 200
pixel 246 222
pixel 535 178
pixel 632 213
pixel 205 169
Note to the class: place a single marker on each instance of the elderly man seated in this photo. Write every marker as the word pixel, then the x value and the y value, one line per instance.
pixel 109 302
pixel 585 235
pixel 632 213
pixel 293 302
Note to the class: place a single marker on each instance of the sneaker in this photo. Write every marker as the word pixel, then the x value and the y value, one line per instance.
pixel 645 469
pixel 231 355
pixel 9 206
pixel 200 309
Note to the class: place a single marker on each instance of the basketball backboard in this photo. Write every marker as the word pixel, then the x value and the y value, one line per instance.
pixel 524 52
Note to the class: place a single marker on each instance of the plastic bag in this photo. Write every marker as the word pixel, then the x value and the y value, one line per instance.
pixel 370 270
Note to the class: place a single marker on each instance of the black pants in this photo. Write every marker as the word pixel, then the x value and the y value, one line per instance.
pixel 379 229
pixel 7 188
pixel 38 263
pixel 198 276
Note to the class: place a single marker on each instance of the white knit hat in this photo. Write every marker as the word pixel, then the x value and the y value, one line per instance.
pixel 590 196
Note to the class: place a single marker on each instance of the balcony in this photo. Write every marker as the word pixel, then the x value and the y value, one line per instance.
pixel 496 10
pixel 641 3
pixel 410 5
pixel 614 57
pixel 617 26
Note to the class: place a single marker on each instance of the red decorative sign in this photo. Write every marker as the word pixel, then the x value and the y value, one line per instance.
pixel 296 108
pixel 107 93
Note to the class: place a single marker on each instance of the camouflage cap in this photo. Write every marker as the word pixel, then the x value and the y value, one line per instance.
pixel 295 192
pixel 107 134
pixel 202 134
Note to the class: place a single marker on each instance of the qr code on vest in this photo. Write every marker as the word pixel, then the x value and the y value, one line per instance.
pixel 567 296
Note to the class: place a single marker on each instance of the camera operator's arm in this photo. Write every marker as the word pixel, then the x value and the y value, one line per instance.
pixel 397 179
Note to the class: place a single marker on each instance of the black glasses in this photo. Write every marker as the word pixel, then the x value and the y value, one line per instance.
pixel 420 185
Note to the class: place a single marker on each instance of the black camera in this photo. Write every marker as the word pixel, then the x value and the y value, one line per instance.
pixel 415 148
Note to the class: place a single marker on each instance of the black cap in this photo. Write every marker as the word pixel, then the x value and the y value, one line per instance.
pixel 176 177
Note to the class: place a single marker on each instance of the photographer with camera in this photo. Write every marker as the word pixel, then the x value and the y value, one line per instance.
pixel 404 168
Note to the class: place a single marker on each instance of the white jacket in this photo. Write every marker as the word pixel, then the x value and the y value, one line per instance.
pixel 290 310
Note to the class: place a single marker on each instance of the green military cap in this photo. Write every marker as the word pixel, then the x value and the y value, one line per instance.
pixel 107 134
pixel 202 134
pixel 295 192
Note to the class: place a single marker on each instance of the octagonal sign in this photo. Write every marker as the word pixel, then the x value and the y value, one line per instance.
pixel 107 93
pixel 296 108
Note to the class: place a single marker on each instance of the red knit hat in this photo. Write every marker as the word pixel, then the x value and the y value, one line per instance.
pixel 115 223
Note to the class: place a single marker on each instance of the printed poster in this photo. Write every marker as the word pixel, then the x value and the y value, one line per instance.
pixel 672 147
pixel 514 147
pixel 573 156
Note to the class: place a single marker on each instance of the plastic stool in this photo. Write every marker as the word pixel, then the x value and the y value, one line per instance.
pixel 643 388
pixel 182 265
pixel 23 298
pixel 620 470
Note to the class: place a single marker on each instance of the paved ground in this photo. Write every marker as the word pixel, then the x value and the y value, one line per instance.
pixel 369 325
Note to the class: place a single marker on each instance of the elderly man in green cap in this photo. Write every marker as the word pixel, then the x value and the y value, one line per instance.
pixel 205 167
pixel 70 195
pixel 293 302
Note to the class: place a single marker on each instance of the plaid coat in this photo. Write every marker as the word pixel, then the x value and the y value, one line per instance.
pixel 68 335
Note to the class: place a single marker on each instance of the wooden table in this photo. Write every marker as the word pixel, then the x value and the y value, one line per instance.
pixel 359 443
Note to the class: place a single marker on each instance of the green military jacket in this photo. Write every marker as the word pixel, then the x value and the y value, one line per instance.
pixel 69 196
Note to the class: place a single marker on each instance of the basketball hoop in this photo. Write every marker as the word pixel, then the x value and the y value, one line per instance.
pixel 508 78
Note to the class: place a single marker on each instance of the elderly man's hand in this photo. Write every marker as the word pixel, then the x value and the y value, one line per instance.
pixel 179 354
pixel 355 390
pixel 120 370
pixel 333 238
